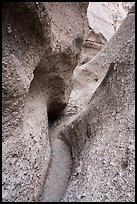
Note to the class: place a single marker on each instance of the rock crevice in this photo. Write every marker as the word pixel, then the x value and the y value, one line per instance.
pixel 59 143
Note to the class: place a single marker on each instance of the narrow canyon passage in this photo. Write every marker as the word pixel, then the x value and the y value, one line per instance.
pixel 59 172
pixel 68 102
pixel 61 165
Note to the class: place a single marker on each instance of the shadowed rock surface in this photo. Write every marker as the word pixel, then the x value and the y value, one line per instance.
pixel 86 154
pixel 102 136
pixel 39 55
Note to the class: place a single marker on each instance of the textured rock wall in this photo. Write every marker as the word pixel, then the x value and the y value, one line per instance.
pixel 104 19
pixel 102 136
pixel 39 54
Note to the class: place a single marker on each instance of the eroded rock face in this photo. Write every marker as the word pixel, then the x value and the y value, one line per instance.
pixel 104 19
pixel 39 55
pixel 103 134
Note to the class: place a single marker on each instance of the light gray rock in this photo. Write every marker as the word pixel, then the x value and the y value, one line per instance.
pixel 39 54
pixel 104 19
pixel 102 136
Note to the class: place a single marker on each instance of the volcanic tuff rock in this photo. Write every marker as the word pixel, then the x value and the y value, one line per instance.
pixel 39 55
pixel 41 47
pixel 102 136
pixel 104 19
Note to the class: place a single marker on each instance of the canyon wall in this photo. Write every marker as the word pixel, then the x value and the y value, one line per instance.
pixel 102 136
pixel 104 19
pixel 54 132
pixel 39 54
